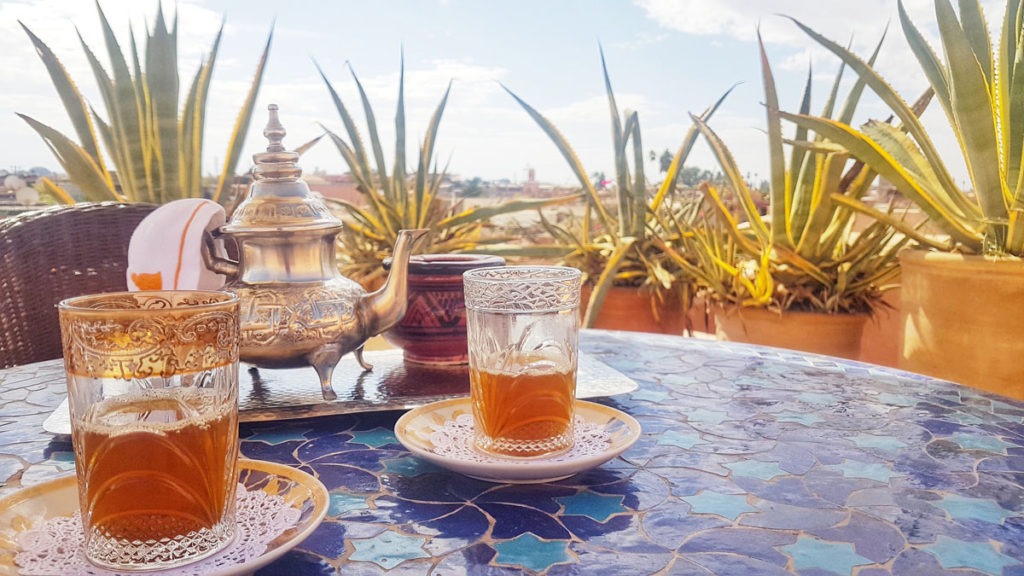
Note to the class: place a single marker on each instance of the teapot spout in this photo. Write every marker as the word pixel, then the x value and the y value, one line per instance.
pixel 385 307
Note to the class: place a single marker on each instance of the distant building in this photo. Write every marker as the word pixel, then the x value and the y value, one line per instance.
pixel 335 186
pixel 531 187
pixel 17 192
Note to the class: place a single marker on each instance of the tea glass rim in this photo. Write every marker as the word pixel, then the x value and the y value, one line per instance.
pixel 555 274
pixel 522 289
pixel 76 304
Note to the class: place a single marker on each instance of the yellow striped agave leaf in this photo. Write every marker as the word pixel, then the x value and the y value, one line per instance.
pixel 973 107
pixel 1010 94
pixel 805 255
pixel 153 140
pixel 682 153
pixel 55 192
pixel 76 161
pixel 567 152
pixel 982 94
pixel 241 128
pixel 605 281
pixel 777 160
pixel 193 122
pixel 371 123
pixel 140 171
pixel 881 161
pixel 425 194
pixel 804 167
pixel 487 212
pixel 72 99
pixel 355 155
pixel 889 96
pixel 735 178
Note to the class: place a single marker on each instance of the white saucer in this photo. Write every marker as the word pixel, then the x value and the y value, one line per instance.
pixel 415 428
pixel 27 508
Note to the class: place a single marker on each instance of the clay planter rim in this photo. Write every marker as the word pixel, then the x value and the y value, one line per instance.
pixel 430 264
pixel 731 311
pixel 1004 265
pixel 837 335
pixel 630 308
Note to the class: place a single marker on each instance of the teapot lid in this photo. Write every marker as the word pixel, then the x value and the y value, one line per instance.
pixel 278 199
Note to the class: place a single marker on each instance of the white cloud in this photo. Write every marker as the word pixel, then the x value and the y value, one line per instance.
pixel 861 23
pixel 640 40
pixel 59 23
pixel 740 19
pixel 475 95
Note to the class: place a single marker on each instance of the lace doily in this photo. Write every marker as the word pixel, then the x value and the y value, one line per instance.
pixel 454 439
pixel 56 547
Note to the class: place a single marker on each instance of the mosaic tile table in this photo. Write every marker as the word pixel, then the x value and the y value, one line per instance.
pixel 752 461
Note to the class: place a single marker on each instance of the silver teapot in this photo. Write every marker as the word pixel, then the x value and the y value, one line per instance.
pixel 296 308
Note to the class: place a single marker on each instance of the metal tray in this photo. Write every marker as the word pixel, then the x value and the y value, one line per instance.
pixel 393 384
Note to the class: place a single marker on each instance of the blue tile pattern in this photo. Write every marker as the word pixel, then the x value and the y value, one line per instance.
pixel 388 549
pixel 530 552
pixel 755 469
pixel 592 505
pixel 728 505
pixel 752 461
pixel 980 556
pixel 832 557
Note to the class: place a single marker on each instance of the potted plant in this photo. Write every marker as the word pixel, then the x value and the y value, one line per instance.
pixel 433 330
pixel 154 140
pixel 961 298
pixel 398 199
pixel 800 276
pixel 631 283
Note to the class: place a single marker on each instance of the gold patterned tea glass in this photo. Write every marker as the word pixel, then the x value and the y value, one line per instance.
pixel 522 331
pixel 153 390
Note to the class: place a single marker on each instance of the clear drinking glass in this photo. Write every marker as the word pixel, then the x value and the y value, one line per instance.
pixel 153 391
pixel 523 329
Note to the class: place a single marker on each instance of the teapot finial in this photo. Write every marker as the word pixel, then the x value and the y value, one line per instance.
pixel 274 131
pixel 277 163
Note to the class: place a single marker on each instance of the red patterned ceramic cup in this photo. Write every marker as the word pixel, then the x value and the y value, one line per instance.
pixel 433 330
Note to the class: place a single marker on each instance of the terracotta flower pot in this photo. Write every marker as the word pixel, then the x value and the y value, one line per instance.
pixel 881 341
pixel 630 309
pixel 831 334
pixel 433 330
pixel 961 319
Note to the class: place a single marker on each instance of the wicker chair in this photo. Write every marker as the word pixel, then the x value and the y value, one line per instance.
pixel 55 253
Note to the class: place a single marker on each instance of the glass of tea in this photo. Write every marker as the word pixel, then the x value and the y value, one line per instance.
pixel 153 391
pixel 523 329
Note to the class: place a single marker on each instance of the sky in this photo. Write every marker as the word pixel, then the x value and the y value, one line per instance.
pixel 665 58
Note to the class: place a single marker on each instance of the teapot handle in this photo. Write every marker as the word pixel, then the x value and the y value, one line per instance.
pixel 211 257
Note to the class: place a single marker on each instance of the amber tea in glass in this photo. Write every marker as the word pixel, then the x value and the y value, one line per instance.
pixel 153 391
pixel 522 330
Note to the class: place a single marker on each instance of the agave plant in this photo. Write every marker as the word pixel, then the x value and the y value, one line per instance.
pixel 980 91
pixel 806 255
pixel 619 242
pixel 397 199
pixel 154 140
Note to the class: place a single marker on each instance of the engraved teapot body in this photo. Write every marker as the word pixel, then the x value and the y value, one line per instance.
pixel 296 308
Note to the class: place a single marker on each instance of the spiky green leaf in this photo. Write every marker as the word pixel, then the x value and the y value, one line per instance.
pixel 72 99
pixel 237 139
pixel 75 161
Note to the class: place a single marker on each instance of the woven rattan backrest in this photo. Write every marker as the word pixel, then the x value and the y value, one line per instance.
pixel 52 254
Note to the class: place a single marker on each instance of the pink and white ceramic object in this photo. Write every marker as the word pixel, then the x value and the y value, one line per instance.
pixel 165 252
